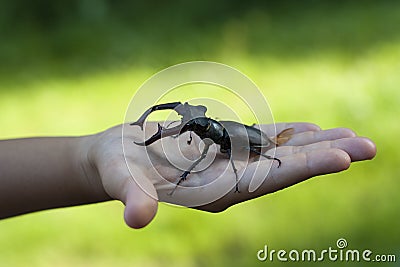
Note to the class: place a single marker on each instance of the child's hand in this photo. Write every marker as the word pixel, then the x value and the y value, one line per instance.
pixel 308 153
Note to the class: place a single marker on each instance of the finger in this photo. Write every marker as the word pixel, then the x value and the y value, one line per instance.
pixel 358 148
pixel 299 127
pixel 294 169
pixel 140 208
pixel 310 137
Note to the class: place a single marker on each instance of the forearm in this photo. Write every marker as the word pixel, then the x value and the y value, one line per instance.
pixel 43 173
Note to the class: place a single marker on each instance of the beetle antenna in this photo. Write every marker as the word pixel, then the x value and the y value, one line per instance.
pixel 266 156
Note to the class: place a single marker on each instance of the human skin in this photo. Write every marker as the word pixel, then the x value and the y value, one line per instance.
pixel 51 172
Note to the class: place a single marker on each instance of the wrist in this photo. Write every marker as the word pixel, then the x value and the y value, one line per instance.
pixel 86 164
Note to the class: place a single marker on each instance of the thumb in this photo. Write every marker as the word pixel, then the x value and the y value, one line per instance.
pixel 140 207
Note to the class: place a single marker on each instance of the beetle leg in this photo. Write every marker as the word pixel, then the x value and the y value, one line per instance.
pixel 194 164
pixel 234 170
pixel 190 138
pixel 142 118
pixel 266 156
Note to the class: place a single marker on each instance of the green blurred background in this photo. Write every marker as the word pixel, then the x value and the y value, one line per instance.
pixel 71 68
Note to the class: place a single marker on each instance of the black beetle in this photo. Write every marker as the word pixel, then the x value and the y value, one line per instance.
pixel 223 133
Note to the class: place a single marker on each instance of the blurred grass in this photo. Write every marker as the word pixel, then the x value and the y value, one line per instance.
pixel 334 64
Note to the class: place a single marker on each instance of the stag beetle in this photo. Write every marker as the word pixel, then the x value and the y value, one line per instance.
pixel 223 133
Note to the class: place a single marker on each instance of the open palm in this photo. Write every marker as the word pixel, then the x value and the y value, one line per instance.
pixel 141 176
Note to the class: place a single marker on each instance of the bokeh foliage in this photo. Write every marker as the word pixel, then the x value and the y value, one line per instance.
pixel 71 68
